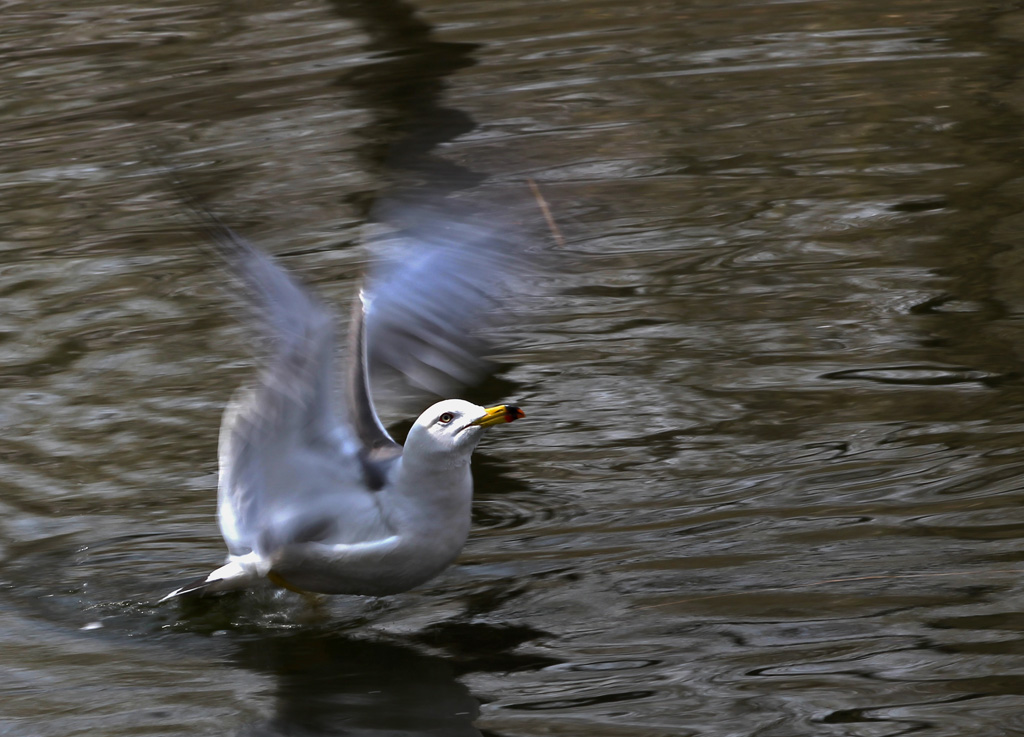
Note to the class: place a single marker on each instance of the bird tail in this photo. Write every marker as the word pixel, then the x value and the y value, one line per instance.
pixel 237 573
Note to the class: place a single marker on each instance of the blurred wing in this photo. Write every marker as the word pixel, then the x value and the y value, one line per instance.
pixel 443 275
pixel 281 440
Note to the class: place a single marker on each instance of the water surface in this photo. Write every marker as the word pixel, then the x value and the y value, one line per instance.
pixel 770 479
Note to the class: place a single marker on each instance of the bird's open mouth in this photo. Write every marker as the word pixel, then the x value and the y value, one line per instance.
pixel 499 414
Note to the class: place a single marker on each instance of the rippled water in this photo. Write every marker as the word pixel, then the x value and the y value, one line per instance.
pixel 770 481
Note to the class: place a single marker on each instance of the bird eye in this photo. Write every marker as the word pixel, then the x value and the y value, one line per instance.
pixel 445 418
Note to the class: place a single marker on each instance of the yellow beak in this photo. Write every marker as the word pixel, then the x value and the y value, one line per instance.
pixel 499 414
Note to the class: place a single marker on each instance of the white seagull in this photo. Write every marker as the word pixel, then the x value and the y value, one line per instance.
pixel 313 494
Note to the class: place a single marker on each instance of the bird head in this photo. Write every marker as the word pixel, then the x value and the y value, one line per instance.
pixel 453 427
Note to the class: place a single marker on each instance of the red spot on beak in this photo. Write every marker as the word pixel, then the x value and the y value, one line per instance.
pixel 513 413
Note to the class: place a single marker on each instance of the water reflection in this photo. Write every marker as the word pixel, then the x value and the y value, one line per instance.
pixel 403 85
pixel 333 685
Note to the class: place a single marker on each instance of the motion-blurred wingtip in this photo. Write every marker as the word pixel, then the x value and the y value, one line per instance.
pixel 191 590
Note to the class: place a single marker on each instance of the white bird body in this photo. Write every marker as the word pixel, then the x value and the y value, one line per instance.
pixel 379 542
pixel 319 498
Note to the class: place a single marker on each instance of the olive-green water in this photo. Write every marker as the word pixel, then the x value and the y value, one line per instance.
pixel 771 478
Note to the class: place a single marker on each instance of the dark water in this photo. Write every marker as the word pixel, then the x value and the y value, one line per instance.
pixel 770 482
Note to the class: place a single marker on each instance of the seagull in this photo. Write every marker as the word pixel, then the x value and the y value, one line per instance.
pixel 313 493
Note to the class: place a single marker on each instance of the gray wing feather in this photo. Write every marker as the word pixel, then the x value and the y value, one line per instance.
pixel 281 439
pixel 371 433
pixel 441 279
